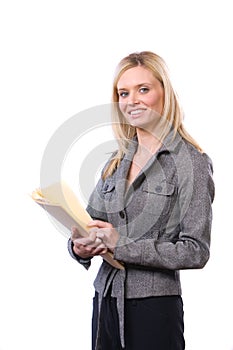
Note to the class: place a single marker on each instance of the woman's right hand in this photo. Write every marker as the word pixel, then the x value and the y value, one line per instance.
pixel 87 247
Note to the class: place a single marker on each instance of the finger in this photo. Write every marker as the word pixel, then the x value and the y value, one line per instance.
pixel 92 234
pixel 100 235
pixel 98 240
pixel 74 233
pixel 83 252
pixel 100 244
pixel 101 247
pixel 99 224
pixel 81 241
pixel 100 250
pixel 104 251
pixel 79 249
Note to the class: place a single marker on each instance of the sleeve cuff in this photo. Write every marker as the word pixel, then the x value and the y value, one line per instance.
pixel 86 262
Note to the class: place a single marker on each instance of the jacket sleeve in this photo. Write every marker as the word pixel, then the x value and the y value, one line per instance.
pixel 85 262
pixel 191 247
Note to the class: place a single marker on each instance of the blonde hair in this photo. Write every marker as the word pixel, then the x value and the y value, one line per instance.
pixel 172 112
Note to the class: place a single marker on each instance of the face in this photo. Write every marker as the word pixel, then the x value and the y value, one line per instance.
pixel 141 97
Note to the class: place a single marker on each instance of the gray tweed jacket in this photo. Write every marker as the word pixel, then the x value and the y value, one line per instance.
pixel 164 220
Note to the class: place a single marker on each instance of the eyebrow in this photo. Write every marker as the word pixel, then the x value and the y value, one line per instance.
pixel 138 85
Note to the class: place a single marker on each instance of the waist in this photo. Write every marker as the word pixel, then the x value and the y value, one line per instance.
pixel 137 283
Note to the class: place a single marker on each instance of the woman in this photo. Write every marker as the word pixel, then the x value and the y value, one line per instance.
pixel 151 209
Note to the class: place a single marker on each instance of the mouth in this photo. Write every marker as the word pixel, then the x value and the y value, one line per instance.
pixel 136 112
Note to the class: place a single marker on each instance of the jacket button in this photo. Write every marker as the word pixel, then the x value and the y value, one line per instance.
pixel 122 214
pixel 158 189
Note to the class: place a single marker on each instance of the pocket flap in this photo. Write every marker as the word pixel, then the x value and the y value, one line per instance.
pixel 163 188
pixel 108 187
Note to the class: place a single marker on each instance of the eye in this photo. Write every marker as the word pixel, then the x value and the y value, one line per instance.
pixel 123 94
pixel 143 90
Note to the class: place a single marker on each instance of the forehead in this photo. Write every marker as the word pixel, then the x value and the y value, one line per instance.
pixel 136 76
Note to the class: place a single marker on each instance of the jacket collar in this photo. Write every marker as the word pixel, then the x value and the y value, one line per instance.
pixel 171 144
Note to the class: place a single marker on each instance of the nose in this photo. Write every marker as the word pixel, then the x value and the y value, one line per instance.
pixel 133 98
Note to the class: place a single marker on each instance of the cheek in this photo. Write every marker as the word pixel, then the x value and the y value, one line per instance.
pixel 156 102
pixel 122 107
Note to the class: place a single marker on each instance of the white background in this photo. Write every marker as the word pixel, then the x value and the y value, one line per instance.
pixel 58 58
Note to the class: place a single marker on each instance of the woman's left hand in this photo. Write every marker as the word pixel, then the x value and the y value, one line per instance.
pixel 106 233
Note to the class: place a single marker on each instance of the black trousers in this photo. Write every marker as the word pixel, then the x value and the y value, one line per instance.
pixel 154 323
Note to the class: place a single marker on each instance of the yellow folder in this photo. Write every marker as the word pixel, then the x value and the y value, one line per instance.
pixel 62 204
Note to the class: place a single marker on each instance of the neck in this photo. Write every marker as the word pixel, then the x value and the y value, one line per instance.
pixel 147 141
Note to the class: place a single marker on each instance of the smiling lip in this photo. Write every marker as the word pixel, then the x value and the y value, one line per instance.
pixel 136 112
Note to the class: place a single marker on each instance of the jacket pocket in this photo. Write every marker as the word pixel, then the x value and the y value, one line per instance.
pixel 109 194
pixel 159 197
pixel 108 187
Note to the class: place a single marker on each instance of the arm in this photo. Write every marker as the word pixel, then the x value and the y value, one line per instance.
pixel 191 247
pixel 84 249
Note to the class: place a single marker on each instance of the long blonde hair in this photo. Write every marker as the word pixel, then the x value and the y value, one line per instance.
pixel 172 111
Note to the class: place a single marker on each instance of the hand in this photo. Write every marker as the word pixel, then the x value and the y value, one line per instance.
pixel 87 247
pixel 106 233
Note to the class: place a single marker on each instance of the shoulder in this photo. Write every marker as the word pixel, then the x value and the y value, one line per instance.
pixel 200 160
pixel 201 170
